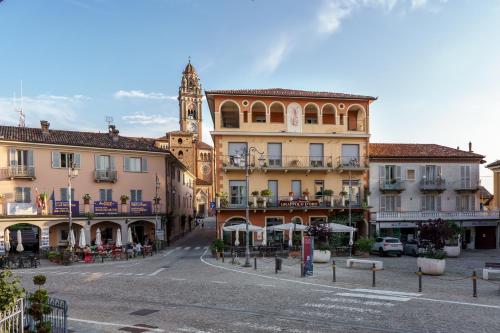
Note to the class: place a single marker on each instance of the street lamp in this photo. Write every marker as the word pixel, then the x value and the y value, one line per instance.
pixel 72 173
pixel 237 160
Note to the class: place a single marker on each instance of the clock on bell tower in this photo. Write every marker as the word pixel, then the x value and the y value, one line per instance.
pixel 190 96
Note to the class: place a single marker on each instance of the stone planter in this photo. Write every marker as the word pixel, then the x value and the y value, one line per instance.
pixel 321 256
pixel 431 266
pixel 452 251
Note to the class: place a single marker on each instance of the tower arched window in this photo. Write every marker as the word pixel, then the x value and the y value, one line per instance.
pixel 180 155
pixel 191 112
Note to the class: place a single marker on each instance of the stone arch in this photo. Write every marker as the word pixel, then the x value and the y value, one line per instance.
pixel 356 117
pixel 230 114
pixel 259 111
pixel 329 113
pixel 31 235
pixel 142 230
pixel 58 233
pixel 108 232
pixel 277 112
pixel 311 113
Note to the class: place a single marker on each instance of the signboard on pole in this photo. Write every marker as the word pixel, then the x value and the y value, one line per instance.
pixel 307 254
pixel 212 204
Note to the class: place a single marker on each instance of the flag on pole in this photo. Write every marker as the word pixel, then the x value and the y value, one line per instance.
pixel 37 198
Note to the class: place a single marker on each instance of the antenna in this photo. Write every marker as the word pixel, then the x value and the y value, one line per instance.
pixel 22 115
pixel 109 120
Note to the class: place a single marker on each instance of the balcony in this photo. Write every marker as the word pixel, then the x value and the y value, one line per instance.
pixel 280 163
pixel 466 185
pixel 352 163
pixel 392 185
pixel 105 176
pixel 288 203
pixel 432 185
pixel 425 216
pixel 20 172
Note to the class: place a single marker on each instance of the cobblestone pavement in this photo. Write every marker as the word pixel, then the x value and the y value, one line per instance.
pixel 184 289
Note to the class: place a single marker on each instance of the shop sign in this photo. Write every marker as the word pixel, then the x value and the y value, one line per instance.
pixel 392 225
pixel 105 208
pixel 479 223
pixel 141 208
pixel 299 203
pixel 45 237
pixel 61 208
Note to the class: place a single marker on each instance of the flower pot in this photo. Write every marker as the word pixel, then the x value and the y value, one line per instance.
pixel 254 201
pixel 306 197
pixel 86 201
pixel 320 256
pixel 431 266
pixel 452 251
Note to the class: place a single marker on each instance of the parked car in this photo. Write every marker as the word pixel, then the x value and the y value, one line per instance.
pixel 412 248
pixel 387 245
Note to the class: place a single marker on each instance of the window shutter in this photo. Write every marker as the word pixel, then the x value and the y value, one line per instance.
pixel 64 194
pixel 102 195
pixel 438 203
pixel 438 171
pixel 144 166
pixel 462 176
pixel 126 163
pixel 76 160
pixel 97 162
pixel 398 172
pixel 112 163
pixel 56 159
pixel 398 203
pixel 12 157
pixel 422 171
pixel 381 172
pixel 423 202
pixel 457 203
pixel 109 195
pixel 382 203
pixel 30 158
pixel 473 202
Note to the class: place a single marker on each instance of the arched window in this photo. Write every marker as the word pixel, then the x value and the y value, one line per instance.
pixel 179 141
pixel 191 113
pixel 180 155
pixel 277 112
pixel 258 112
pixel 311 114
pixel 329 114
pixel 209 157
pixel 230 114
pixel 355 118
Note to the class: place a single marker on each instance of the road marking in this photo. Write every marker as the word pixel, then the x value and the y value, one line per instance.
pixel 341 307
pixel 187 248
pixel 139 274
pixel 197 248
pixel 381 297
pixel 128 274
pixel 356 301
pixel 205 248
pixel 104 323
pixel 219 282
pixel 387 292
pixel 169 252
pixel 177 279
pixel 156 272
pixel 267 285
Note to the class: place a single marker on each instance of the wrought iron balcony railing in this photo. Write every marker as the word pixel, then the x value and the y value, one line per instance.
pixel 392 185
pixel 20 171
pixel 105 175
pixel 435 184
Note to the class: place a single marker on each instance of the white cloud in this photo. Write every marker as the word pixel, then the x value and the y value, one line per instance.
pixel 418 3
pixel 144 95
pixel 145 119
pixel 274 56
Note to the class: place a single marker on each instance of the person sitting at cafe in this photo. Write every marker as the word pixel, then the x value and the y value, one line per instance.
pixel 138 248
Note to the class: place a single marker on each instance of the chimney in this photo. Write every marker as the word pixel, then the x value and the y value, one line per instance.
pixel 458 147
pixel 470 146
pixel 113 133
pixel 44 124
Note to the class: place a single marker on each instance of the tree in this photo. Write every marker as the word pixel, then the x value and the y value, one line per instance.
pixel 10 290
pixel 321 232
pixel 436 232
pixel 39 306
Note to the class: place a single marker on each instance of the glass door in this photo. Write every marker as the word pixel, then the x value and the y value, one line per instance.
pixel 296 189
pixel 274 152
pixel 273 186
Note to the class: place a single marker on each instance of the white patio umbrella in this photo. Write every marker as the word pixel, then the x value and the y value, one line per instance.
pixel 71 238
pixel 237 241
pixel 129 235
pixel 288 226
pixel 81 241
pixel 118 237
pixel 19 247
pixel 264 238
pixel 290 237
pixel 335 227
pixel 98 240
pixel 7 240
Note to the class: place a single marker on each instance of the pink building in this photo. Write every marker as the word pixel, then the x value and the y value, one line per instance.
pixel 118 182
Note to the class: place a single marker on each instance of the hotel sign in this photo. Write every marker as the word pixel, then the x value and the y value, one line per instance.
pixel 105 208
pixel 141 208
pixel 61 208
pixel 299 203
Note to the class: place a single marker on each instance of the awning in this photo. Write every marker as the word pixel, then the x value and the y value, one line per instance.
pixel 287 227
pixel 242 227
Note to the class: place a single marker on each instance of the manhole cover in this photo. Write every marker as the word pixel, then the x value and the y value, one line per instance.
pixel 143 312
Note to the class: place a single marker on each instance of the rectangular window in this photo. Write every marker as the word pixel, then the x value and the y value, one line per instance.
pixel 319 187
pixel 390 203
pixel 465 178
pixel 350 155
pixel 237 193
pixel 274 237
pixel 274 154
pixel 466 202
pixel 316 154
pixel 273 186
pixel 106 194
pixel 353 192
pixel 410 174
pixel 390 172
pixel 431 202
pixel 20 161
pixel 64 194
pixel 23 194
pixel 245 116
pixel 296 189
pixel 135 195
pixel 237 149
pixel 135 164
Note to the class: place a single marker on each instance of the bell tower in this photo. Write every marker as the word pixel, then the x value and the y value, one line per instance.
pixel 190 96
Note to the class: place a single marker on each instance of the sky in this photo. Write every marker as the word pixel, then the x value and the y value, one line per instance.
pixel 433 64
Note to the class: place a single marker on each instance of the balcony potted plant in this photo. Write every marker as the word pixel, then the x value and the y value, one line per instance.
pixel 123 199
pixel 266 193
pixel 364 246
pixel 321 233
pixel 453 243
pixel 328 196
pixel 436 232
pixel 221 199
pixel 290 194
pixel 255 194
pixel 86 199
pixel 306 194
pixel 343 195
pixel 260 202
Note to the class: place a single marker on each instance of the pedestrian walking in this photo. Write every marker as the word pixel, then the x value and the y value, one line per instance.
pixel 202 224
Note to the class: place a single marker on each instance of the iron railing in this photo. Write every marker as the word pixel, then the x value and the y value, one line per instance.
pixel 12 319
pixel 391 185
pixel 21 171
pixel 278 162
pixel 433 184
pixel 58 317
pixel 424 216
pixel 290 202
pixel 105 175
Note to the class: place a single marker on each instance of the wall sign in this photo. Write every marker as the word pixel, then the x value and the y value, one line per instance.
pixel 299 203
pixel 307 254
pixel 105 208
pixel 61 208
pixel 294 118
pixel 141 208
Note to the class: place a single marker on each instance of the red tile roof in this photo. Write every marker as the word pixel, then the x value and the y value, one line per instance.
pixel 418 151
pixel 203 145
pixel 494 164
pixel 76 138
pixel 280 92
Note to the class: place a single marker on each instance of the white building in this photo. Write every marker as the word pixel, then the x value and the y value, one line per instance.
pixel 419 182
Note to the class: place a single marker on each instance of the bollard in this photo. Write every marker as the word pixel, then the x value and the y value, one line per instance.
pixel 334 275
pixel 373 279
pixel 474 284
pixel 419 273
pixel 276 264
pixel 232 257
pixel 255 262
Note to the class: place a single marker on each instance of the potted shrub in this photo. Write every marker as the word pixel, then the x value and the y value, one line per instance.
pixel 436 232
pixel 260 202
pixel 39 308
pixel 343 195
pixel 124 198
pixel 216 247
pixel 364 246
pixel 255 194
pixel 328 197
pixel 306 194
pixel 453 243
pixel 86 199
pixel 290 194
pixel 265 195
pixel 321 234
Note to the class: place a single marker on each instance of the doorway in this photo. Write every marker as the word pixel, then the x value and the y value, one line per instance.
pixel 486 238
